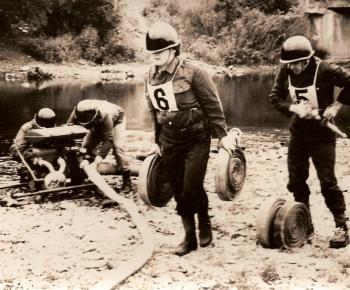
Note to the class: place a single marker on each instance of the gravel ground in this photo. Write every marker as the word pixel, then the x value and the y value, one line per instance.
pixel 73 240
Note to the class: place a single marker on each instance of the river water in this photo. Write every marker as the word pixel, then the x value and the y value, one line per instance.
pixel 244 98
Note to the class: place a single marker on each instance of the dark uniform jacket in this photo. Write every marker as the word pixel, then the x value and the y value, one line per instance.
pixel 109 115
pixel 328 77
pixel 20 140
pixel 196 98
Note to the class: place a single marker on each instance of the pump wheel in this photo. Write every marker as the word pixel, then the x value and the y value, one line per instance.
pixel 153 189
pixel 266 219
pixel 292 225
pixel 230 174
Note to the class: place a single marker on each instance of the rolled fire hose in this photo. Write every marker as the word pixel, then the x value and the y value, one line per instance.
pixel 266 219
pixel 292 225
pixel 282 223
pixel 230 171
pixel 142 254
pixel 153 188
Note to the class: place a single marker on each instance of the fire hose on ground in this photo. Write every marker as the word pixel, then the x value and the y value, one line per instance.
pixel 153 187
pixel 142 254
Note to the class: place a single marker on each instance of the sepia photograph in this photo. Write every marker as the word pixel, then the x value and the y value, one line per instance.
pixel 175 145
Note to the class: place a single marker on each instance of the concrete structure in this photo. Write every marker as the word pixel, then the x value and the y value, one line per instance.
pixel 330 25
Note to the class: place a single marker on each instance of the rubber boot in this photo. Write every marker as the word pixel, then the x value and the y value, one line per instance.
pixel 204 226
pixel 340 239
pixel 190 241
pixel 126 186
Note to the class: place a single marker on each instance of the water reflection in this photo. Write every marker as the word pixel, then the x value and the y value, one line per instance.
pixel 244 98
pixel 246 102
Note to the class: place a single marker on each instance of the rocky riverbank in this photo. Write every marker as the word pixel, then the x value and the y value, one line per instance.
pixel 73 240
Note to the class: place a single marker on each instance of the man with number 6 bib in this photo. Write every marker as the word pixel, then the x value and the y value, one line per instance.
pixel 309 82
pixel 186 111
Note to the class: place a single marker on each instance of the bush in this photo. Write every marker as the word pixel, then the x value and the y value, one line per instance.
pixel 88 42
pixel 118 48
pixel 88 45
pixel 52 50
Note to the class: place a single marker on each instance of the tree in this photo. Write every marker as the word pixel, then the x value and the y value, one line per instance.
pixel 56 17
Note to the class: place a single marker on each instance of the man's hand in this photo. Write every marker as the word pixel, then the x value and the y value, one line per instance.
pixel 302 109
pixel 331 111
pixel 227 144
pixel 82 150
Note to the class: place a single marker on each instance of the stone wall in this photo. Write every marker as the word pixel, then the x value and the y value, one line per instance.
pixel 330 23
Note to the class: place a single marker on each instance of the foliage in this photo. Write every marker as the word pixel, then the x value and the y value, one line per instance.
pixel 56 17
pixel 269 6
pixel 88 43
pixel 227 32
pixel 224 32
pixel 66 30
pixel 118 48
pixel 52 50
pixel 258 37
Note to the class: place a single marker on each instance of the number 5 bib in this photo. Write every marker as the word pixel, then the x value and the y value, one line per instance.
pixel 162 96
pixel 308 93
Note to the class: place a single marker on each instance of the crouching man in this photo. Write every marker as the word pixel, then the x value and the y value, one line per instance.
pixel 106 125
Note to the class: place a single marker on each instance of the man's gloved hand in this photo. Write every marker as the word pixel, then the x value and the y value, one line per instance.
pixel 303 109
pixel 227 144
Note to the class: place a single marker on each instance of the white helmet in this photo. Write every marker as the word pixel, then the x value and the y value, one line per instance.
pixel 296 48
pixel 161 36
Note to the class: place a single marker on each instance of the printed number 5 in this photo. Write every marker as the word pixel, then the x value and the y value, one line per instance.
pixel 162 103
pixel 301 94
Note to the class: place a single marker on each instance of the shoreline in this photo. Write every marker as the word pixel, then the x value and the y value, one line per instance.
pixel 87 72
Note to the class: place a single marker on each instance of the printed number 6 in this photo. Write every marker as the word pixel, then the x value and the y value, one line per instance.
pixel 162 103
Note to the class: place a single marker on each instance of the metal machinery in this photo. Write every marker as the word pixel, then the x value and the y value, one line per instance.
pixel 52 163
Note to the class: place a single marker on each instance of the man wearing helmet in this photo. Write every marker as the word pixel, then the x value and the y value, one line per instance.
pixel 310 82
pixel 45 118
pixel 186 111
pixel 106 124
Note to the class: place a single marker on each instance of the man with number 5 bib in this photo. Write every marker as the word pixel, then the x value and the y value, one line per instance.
pixel 310 82
pixel 186 112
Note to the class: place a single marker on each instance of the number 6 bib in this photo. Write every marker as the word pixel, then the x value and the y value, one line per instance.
pixel 162 96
